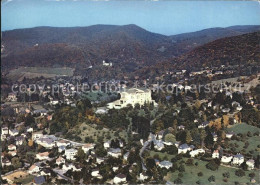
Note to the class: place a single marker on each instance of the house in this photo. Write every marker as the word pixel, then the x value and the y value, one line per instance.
pixel 42 156
pixel 229 135
pixel 143 176
pixel 250 164
pixel 12 96
pixel 70 167
pixel 168 143
pixel 39 180
pixel 204 124
pixel 36 135
pixel 181 127
pixel 225 110
pixel 13 132
pixel 87 147
pixel 100 160
pixel 19 140
pixel 125 157
pixel 160 134
pixel 45 172
pixel 101 110
pixel 11 147
pixel 158 145
pixel 194 153
pixel 34 169
pixel 95 173
pixel 6 162
pixel 61 148
pixel 238 159
pixel 132 96
pixel 226 159
pixel 115 168
pixel 215 154
pixel 62 142
pixel 184 148
pixel 5 130
pixel 120 178
pixel 165 164
pixel 12 153
pixel 107 144
pixel 106 63
pixel 60 160
pixel 215 136
pixel 46 142
pixel 29 129
pixel 70 153
pixel 114 152
pixel 42 112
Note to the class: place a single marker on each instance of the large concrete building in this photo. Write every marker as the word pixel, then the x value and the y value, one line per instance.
pixel 132 96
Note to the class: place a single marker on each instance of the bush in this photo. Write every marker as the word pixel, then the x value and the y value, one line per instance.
pixel 212 165
pixel 211 178
pixel 181 168
pixel 189 162
pixel 226 174
pixel 180 175
pixel 252 175
pixel 240 173
pixel 196 163
pixel 198 182
pixel 178 181
pixel 200 174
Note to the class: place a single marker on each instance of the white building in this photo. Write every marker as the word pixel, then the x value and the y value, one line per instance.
pixel 132 97
pixel 143 176
pixel 70 167
pixel 13 132
pixel 60 160
pixel 184 148
pixel 158 145
pixel 106 63
pixel 62 143
pixel 11 147
pixel 120 178
pixel 194 153
pixel 165 164
pixel 33 169
pixel 107 144
pixel 250 164
pixel 215 154
pixel 229 135
pixel 36 135
pixel 87 147
pixel 42 156
pixel 70 153
pixel 95 173
pixel 238 159
pixel 114 152
pixel 226 159
pixel 4 130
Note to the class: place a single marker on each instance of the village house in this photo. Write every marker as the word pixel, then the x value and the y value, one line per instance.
pixel 45 172
pixel 160 134
pixel 13 132
pixel 42 156
pixel 46 142
pixel 125 157
pixel 158 145
pixel 70 167
pixel 215 154
pixel 229 135
pixel 87 147
pixel 100 160
pixel 238 159
pixel 6 162
pixel 194 153
pixel 12 96
pixel 165 164
pixel 143 176
pixel 120 178
pixel 11 147
pixel 114 152
pixel 215 136
pixel 95 173
pixel 226 159
pixel 62 142
pixel 29 129
pixel 181 127
pixel 19 140
pixel 132 96
pixel 12 153
pixel 5 130
pixel 34 169
pixel 70 153
pixel 204 124
pixel 60 160
pixel 250 164
pixel 107 144
pixel 184 148
pixel 37 135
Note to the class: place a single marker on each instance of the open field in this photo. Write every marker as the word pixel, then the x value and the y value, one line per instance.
pixel 92 132
pixel 190 176
pixel 16 175
pixel 243 128
pixel 33 72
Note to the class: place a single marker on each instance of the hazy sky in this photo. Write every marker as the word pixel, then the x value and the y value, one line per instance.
pixel 165 17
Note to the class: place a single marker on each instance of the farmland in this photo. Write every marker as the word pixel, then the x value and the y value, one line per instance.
pixel 33 72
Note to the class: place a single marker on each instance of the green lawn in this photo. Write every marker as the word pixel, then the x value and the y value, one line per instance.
pixel 190 175
pixel 243 128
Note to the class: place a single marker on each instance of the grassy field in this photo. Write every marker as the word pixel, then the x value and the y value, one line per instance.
pixel 190 176
pixel 92 132
pixel 243 128
pixel 33 72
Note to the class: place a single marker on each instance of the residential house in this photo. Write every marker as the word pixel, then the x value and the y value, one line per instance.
pixel 13 132
pixel 11 147
pixel 215 154
pixel 100 160
pixel 87 147
pixel 45 172
pixel 36 135
pixel 114 152
pixel 204 124
pixel 107 144
pixel 143 176
pixel 95 173
pixel 19 140
pixel 5 130
pixel 29 129
pixel 42 156
pixel 229 135
pixel 194 153
pixel 158 145
pixel 70 167
pixel 34 169
pixel 46 142
pixel 238 159
pixel 165 164
pixel 70 153
pixel 184 148
pixel 63 142
pixel 160 134
pixel 6 162
pixel 125 157
pixel 12 153
pixel 181 127
pixel 120 178
pixel 250 164
pixel 226 159
pixel 60 160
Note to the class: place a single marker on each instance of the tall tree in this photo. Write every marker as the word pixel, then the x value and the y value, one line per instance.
pixel 188 137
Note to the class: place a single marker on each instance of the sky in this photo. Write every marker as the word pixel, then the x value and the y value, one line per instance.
pixel 159 16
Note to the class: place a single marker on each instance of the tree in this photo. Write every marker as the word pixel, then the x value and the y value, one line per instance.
pixel 202 137
pixel 211 178
pixel 188 137
pixel 240 173
pixel 181 168
pixel 170 138
pixel 81 155
pixel 16 162
pixel 212 165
